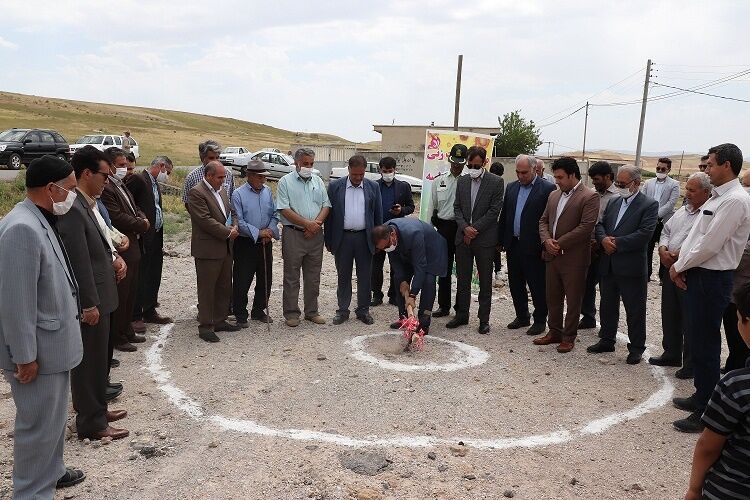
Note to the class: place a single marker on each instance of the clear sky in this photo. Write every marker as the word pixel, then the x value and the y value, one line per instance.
pixel 340 67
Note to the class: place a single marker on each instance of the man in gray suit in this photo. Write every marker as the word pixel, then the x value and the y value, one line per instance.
pixel 355 209
pixel 623 233
pixel 665 191
pixel 97 267
pixel 40 340
pixel 479 198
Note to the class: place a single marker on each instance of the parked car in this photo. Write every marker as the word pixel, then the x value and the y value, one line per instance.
pixel 19 146
pixel 277 163
pixel 102 142
pixel 235 155
pixel 372 172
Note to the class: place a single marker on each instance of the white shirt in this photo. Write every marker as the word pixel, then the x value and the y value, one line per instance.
pixel 624 207
pixel 564 197
pixel 354 206
pixel 217 195
pixel 719 236
pixel 105 230
pixel 678 227
pixel 659 189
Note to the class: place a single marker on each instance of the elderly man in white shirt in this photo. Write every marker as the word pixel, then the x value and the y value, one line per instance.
pixel 677 228
pixel 707 260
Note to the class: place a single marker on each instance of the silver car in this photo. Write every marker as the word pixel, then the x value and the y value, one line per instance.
pixel 278 164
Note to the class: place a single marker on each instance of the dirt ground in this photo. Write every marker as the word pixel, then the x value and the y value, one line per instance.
pixel 323 412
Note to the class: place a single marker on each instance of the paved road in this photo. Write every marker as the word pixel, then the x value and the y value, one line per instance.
pixel 7 175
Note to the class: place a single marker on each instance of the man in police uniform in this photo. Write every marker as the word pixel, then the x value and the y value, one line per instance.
pixel 444 219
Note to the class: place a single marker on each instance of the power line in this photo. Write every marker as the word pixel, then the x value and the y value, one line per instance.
pixel 561 119
pixel 702 93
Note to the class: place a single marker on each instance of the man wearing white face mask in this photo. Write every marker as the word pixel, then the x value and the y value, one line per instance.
pixel 37 352
pixel 397 202
pixel 665 191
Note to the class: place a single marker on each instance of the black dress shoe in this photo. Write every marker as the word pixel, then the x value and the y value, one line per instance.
pixel 518 323
pixel 110 393
pixel 376 301
pixel 115 385
pixel 126 347
pixel 208 336
pixel 396 325
pixel 70 478
pixel 366 319
pixel 684 373
pixel 536 329
pixel 226 327
pixel 601 346
pixel 114 363
pixel 339 318
pixel 686 404
pixel 440 312
pixel 243 324
pixel 456 322
pixel 137 339
pixel 664 361
pixel 484 328
pixel 691 424
pixel 262 317
pixel 586 324
pixel 633 358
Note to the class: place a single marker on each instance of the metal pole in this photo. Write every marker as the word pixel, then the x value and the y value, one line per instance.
pixel 679 169
pixel 643 115
pixel 585 127
pixel 458 91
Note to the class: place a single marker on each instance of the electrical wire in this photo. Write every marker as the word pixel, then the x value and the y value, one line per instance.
pixel 702 93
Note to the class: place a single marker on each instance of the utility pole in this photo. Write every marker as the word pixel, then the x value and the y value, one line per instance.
pixel 680 168
pixel 585 126
pixel 643 115
pixel 458 91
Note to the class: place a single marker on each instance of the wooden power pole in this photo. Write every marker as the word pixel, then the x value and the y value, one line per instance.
pixel 643 115
pixel 458 91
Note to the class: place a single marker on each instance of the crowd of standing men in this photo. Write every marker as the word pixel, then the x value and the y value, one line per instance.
pixel 97 226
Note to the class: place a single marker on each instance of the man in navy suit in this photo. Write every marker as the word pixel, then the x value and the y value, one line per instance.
pixel 355 209
pixel 419 255
pixel 397 202
pixel 523 205
pixel 623 233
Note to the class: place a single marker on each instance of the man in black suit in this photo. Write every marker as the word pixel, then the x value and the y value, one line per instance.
pixel 479 197
pixel 97 269
pixel 397 201
pixel 524 203
pixel 623 233
pixel 147 194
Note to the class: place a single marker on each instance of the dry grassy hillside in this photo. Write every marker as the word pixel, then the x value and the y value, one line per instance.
pixel 158 131
pixel 689 162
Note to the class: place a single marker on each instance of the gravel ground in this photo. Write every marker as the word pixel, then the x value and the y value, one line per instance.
pixel 381 433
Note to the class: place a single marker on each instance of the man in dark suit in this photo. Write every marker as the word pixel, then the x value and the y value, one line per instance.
pixel 148 196
pixel 524 203
pixel 355 209
pixel 214 228
pixel 419 255
pixel 397 201
pixel 479 197
pixel 565 230
pixel 127 218
pixel 623 233
pixel 97 269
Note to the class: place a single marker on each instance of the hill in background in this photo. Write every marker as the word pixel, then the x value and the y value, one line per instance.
pixel 689 162
pixel 172 133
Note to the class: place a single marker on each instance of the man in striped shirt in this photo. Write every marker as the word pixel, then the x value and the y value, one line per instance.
pixel 721 461
pixel 207 151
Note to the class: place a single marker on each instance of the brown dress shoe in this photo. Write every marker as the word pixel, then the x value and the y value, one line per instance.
pixel 547 340
pixel 126 347
pixel 565 346
pixel 114 415
pixel 136 339
pixel 157 319
pixel 138 326
pixel 109 431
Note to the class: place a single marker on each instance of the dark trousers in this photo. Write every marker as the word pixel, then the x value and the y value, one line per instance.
pixel 527 270
pixel 121 330
pixel 249 263
pixel 465 258
pixel 353 249
pixel 149 278
pixel 426 297
pixel 706 298
pixel 588 305
pixel 88 380
pixel 214 277
pixel 632 291
pixel 376 280
pixel 672 324
pixel 565 284
pixel 738 350
pixel 498 261
pixel 651 245
pixel 447 229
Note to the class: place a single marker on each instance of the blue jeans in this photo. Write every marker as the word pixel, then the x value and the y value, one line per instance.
pixel 707 296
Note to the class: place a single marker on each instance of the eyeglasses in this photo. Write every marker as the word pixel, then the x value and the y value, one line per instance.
pixel 59 186
pixel 662 169
pixel 623 185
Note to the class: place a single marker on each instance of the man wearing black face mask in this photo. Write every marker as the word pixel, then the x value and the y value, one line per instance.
pixel 40 336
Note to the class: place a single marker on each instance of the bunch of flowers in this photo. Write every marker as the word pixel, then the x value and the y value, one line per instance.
pixel 413 333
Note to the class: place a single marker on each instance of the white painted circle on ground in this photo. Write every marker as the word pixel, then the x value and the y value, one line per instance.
pixel 195 410
pixel 466 355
